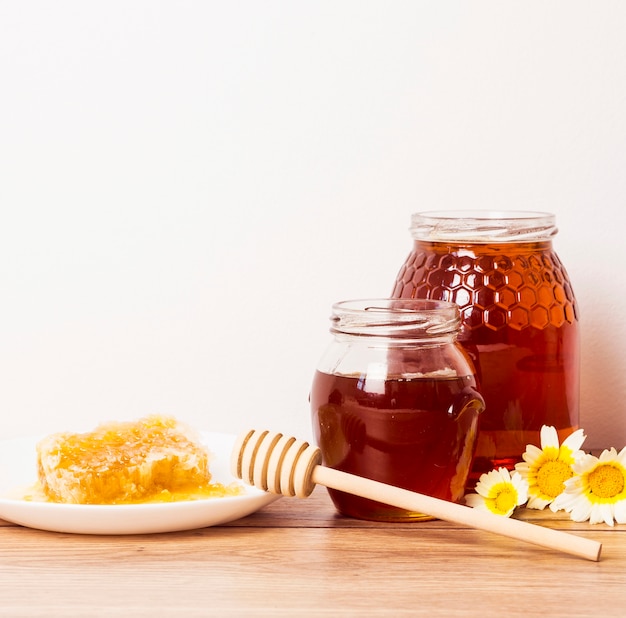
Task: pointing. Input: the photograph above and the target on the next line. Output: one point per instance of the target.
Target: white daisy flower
(597, 492)
(547, 468)
(499, 492)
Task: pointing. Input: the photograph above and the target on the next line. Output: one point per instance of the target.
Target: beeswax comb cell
(122, 462)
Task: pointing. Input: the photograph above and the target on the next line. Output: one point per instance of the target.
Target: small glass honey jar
(394, 399)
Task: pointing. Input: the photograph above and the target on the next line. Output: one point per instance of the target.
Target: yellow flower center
(552, 476)
(505, 499)
(606, 481)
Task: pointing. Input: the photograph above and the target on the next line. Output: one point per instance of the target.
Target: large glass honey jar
(394, 399)
(519, 320)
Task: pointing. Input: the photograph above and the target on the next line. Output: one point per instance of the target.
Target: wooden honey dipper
(283, 465)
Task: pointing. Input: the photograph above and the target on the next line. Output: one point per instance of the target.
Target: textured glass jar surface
(400, 411)
(519, 325)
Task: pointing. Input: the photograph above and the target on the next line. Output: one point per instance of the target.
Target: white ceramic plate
(18, 471)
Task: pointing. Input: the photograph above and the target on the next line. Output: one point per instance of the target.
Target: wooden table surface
(299, 558)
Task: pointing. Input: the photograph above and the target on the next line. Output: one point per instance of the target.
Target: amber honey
(155, 459)
(414, 433)
(520, 327)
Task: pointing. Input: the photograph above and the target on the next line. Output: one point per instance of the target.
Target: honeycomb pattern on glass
(493, 291)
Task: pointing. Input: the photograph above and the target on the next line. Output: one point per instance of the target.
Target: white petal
(581, 511)
(599, 515)
(556, 506)
(575, 440)
(561, 502)
(535, 502)
(522, 468)
(549, 437)
(504, 474)
(490, 479)
(564, 501)
(574, 485)
(485, 483)
(619, 511)
(532, 454)
(521, 487)
(474, 500)
(584, 464)
(608, 454)
(606, 511)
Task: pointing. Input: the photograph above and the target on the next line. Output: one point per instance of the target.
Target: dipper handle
(283, 465)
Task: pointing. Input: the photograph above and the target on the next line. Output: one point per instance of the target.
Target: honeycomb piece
(123, 462)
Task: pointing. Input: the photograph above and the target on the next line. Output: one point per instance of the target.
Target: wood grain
(299, 558)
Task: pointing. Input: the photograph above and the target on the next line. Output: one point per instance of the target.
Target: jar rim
(396, 318)
(483, 226)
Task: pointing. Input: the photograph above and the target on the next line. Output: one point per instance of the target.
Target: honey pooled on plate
(154, 459)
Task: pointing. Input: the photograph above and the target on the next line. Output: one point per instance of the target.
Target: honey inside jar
(414, 433)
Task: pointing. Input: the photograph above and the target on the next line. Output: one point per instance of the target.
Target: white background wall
(186, 187)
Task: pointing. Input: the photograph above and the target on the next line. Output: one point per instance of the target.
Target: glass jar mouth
(483, 226)
(407, 318)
